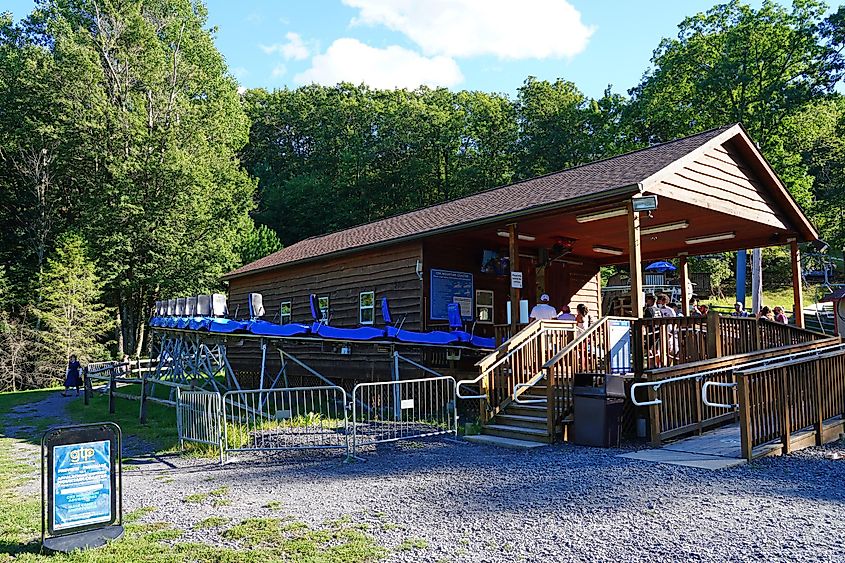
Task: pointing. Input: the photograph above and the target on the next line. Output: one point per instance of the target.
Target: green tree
(143, 144)
(257, 242)
(737, 64)
(73, 319)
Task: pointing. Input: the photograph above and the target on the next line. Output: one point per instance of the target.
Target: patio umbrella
(661, 266)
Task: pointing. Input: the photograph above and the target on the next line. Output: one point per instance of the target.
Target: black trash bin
(598, 410)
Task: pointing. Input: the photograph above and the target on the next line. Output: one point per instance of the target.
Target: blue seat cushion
(199, 323)
(337, 333)
(484, 342)
(265, 328)
(435, 337)
(226, 326)
(182, 322)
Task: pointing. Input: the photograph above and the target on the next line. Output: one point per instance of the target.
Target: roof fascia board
(781, 194)
(606, 196)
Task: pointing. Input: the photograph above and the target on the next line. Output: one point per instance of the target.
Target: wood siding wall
(389, 272)
(720, 180)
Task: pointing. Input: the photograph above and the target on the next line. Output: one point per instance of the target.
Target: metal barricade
(199, 418)
(401, 410)
(285, 419)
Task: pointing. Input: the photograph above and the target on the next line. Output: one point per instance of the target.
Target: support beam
(741, 267)
(513, 248)
(683, 270)
(636, 260)
(797, 290)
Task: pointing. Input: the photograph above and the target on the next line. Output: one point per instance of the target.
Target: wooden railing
(669, 341)
(517, 361)
(681, 410)
(776, 402)
(589, 352)
(666, 342)
(502, 333)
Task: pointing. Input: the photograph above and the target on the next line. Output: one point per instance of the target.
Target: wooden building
(715, 193)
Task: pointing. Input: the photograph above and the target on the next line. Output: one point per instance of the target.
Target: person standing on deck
(72, 375)
(542, 311)
(566, 314)
(780, 316)
(739, 310)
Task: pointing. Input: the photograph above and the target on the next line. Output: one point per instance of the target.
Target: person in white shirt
(542, 311)
(664, 308)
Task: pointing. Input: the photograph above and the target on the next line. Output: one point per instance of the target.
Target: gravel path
(563, 503)
(465, 502)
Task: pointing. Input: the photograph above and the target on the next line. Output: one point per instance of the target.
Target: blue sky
(489, 45)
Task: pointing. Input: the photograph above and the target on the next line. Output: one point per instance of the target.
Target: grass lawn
(261, 540)
(771, 298)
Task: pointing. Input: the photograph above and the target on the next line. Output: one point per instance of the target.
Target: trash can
(598, 410)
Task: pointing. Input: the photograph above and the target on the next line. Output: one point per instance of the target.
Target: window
(323, 304)
(367, 307)
(484, 306)
(284, 312)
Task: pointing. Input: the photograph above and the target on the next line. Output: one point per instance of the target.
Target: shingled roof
(587, 181)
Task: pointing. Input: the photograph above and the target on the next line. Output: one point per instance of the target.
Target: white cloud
(278, 70)
(294, 49)
(241, 90)
(528, 29)
(349, 60)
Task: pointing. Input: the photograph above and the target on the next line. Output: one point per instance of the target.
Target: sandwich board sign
(81, 486)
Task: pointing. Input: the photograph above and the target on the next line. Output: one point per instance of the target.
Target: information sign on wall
(516, 280)
(450, 287)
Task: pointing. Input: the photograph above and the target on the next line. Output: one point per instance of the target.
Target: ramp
(718, 449)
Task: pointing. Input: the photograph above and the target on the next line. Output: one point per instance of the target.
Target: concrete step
(520, 420)
(509, 443)
(515, 432)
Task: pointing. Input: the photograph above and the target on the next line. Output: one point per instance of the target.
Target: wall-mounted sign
(450, 287)
(81, 480)
(516, 280)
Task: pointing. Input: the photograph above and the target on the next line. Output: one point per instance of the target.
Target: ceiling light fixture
(608, 250)
(520, 236)
(711, 238)
(587, 217)
(664, 227)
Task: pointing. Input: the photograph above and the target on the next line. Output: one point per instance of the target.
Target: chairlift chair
(321, 328)
(219, 323)
(202, 319)
(266, 328)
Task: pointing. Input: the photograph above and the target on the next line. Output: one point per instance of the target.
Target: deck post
(513, 249)
(654, 418)
(786, 421)
(714, 336)
(636, 259)
(683, 270)
(819, 422)
(744, 416)
(797, 293)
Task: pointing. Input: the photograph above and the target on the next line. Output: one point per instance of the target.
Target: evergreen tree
(72, 318)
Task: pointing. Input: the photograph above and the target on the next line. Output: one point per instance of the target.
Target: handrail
(729, 385)
(523, 337)
(583, 336)
(656, 385)
(796, 361)
(520, 339)
(557, 357)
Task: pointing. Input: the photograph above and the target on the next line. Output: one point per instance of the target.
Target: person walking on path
(72, 378)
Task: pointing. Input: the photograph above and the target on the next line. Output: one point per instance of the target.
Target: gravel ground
(477, 503)
(563, 503)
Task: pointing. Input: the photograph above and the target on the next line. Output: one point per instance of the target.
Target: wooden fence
(666, 342)
(801, 403)
(681, 410)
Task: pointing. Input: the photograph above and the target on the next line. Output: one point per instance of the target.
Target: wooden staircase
(521, 370)
(517, 425)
